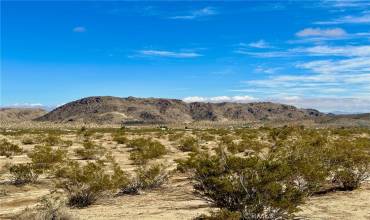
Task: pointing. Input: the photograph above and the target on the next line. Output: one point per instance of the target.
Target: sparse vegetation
(145, 149)
(45, 157)
(23, 173)
(8, 149)
(189, 144)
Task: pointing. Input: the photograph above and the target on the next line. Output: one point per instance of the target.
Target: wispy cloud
(79, 29)
(362, 19)
(171, 54)
(319, 32)
(260, 44)
(204, 12)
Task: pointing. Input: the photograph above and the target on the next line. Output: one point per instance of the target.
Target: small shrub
(84, 184)
(8, 149)
(48, 209)
(45, 157)
(22, 174)
(349, 163)
(152, 176)
(90, 151)
(120, 139)
(253, 187)
(52, 140)
(147, 177)
(28, 141)
(189, 144)
(145, 149)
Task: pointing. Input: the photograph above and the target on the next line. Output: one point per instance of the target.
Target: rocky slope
(20, 114)
(115, 110)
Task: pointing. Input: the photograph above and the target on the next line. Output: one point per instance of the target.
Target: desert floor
(174, 200)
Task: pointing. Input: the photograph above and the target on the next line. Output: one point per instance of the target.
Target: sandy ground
(174, 200)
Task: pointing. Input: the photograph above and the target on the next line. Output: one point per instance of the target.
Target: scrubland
(163, 173)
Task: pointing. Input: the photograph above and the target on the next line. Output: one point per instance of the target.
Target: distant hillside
(20, 114)
(115, 110)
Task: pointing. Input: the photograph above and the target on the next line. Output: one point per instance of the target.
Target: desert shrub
(120, 139)
(90, 150)
(145, 149)
(349, 163)
(222, 214)
(308, 159)
(48, 209)
(153, 176)
(175, 136)
(22, 174)
(206, 136)
(146, 177)
(45, 157)
(28, 140)
(8, 149)
(84, 184)
(253, 187)
(52, 140)
(188, 144)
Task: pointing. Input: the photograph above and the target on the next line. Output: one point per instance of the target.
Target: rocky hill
(131, 110)
(20, 114)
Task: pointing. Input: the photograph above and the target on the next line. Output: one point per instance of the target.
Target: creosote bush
(189, 144)
(146, 177)
(85, 183)
(255, 188)
(145, 149)
(9, 149)
(45, 157)
(23, 173)
(90, 150)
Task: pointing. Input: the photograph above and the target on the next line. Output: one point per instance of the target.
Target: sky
(311, 54)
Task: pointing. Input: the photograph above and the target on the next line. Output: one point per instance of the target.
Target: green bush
(45, 157)
(52, 140)
(253, 187)
(145, 149)
(28, 140)
(23, 173)
(85, 184)
(189, 144)
(120, 139)
(90, 151)
(350, 164)
(8, 149)
(147, 177)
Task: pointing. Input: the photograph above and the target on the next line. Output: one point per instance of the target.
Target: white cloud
(218, 99)
(348, 51)
(363, 19)
(207, 11)
(356, 66)
(194, 99)
(79, 29)
(318, 32)
(164, 53)
(259, 44)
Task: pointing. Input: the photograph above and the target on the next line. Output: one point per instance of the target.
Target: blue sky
(312, 54)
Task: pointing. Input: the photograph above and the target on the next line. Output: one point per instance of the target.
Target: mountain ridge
(116, 110)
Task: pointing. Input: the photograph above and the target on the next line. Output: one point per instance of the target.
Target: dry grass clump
(9, 149)
(145, 149)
